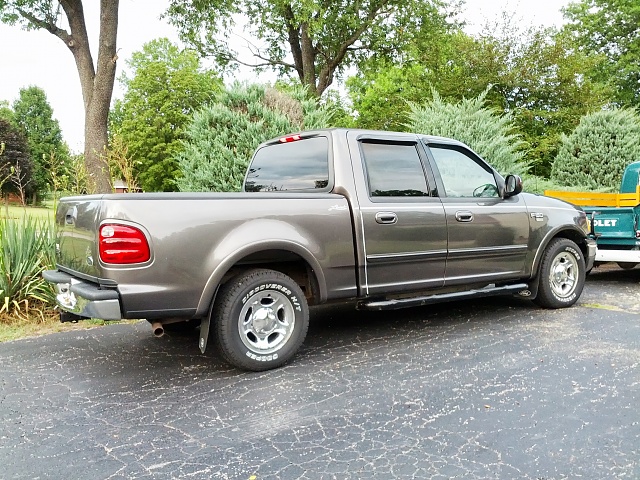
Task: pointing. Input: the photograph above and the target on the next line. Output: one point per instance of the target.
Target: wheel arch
(289, 258)
(576, 235)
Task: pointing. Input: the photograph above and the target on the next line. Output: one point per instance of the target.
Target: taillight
(122, 244)
(290, 138)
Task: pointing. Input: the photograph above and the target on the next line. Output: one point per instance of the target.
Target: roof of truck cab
(366, 132)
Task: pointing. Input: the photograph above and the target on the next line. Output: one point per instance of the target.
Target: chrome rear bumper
(84, 298)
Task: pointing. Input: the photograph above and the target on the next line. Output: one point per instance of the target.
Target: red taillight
(122, 244)
(290, 138)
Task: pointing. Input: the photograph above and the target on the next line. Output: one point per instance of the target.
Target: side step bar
(520, 288)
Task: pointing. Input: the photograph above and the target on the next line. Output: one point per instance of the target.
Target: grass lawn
(18, 211)
(35, 326)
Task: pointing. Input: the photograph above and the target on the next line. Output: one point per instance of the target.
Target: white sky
(38, 58)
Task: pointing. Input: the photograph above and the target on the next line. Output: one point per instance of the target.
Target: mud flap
(204, 333)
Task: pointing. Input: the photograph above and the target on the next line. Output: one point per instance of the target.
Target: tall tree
(535, 75)
(15, 156)
(6, 112)
(610, 28)
(315, 40)
(34, 115)
(96, 80)
(163, 89)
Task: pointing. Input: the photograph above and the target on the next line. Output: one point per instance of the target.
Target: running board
(520, 288)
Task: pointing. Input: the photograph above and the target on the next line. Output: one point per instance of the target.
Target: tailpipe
(158, 329)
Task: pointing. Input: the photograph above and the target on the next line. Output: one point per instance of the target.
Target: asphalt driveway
(493, 389)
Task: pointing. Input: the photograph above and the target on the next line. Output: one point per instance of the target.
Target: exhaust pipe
(158, 329)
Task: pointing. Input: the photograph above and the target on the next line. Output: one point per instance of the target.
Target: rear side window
(297, 165)
(394, 170)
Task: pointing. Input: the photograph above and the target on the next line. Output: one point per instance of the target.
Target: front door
(487, 235)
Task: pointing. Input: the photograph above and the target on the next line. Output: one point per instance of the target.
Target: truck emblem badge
(605, 222)
(338, 208)
(538, 216)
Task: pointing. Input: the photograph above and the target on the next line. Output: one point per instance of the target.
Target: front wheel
(260, 319)
(562, 274)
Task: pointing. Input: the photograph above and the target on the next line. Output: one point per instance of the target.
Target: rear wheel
(562, 274)
(260, 320)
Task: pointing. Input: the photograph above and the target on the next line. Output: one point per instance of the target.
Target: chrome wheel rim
(564, 274)
(266, 322)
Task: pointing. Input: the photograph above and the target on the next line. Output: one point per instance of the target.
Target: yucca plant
(27, 247)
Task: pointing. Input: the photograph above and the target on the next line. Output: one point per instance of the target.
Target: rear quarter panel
(196, 238)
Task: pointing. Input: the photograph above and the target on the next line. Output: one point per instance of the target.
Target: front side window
(298, 165)
(393, 169)
(462, 175)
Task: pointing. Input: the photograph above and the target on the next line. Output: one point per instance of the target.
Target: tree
(315, 40)
(610, 28)
(96, 81)
(536, 75)
(598, 150)
(34, 115)
(15, 157)
(488, 133)
(222, 137)
(6, 112)
(165, 86)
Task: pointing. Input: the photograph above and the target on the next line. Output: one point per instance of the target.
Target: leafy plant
(222, 137)
(27, 247)
(489, 134)
(597, 152)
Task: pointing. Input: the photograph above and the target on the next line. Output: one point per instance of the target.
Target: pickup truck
(383, 219)
(615, 218)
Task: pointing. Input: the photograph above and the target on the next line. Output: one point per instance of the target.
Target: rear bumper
(628, 256)
(83, 298)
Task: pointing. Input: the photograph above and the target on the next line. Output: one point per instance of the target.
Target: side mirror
(513, 186)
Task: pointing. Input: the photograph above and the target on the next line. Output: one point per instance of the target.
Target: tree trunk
(97, 84)
(97, 108)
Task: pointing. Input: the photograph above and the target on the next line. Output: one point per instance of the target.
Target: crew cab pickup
(615, 218)
(384, 219)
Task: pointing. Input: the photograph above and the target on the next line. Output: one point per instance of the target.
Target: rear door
(403, 223)
(487, 235)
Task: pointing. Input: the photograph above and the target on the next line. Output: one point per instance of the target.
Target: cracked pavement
(490, 389)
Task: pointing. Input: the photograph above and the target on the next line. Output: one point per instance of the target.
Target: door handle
(386, 218)
(464, 216)
(71, 216)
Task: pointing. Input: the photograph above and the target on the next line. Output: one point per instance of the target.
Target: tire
(627, 265)
(260, 319)
(561, 275)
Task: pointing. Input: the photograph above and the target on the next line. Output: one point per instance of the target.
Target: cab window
(298, 165)
(393, 169)
(462, 175)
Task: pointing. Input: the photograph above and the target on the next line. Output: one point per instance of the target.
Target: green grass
(18, 211)
(36, 326)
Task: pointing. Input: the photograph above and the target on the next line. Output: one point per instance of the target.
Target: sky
(38, 58)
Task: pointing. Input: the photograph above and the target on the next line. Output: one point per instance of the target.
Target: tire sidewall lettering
(573, 252)
(261, 358)
(275, 287)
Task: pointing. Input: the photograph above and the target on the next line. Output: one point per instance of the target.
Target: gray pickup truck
(385, 219)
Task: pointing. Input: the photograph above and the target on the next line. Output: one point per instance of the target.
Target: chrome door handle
(71, 216)
(387, 218)
(464, 216)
